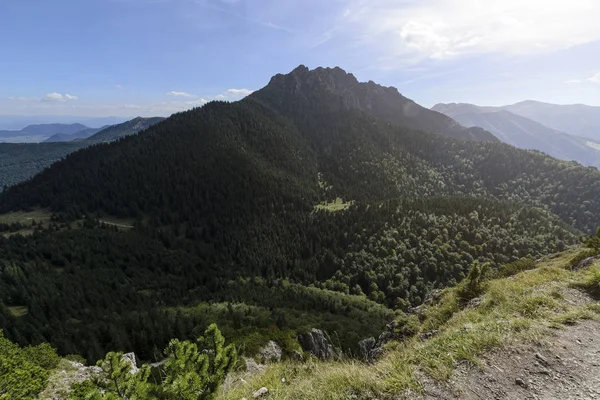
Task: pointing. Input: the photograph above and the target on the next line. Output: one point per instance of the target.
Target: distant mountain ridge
(40, 132)
(18, 122)
(125, 129)
(575, 119)
(83, 134)
(524, 133)
(20, 161)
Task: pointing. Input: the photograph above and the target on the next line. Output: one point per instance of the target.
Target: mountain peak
(334, 86)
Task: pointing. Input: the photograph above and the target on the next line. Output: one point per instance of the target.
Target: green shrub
(474, 284)
(23, 372)
(591, 281)
(513, 268)
(195, 371)
(43, 355)
(75, 358)
(582, 255)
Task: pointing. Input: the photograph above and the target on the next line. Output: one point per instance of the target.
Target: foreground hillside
(527, 329)
(518, 336)
(309, 204)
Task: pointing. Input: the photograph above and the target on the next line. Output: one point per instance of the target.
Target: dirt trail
(565, 367)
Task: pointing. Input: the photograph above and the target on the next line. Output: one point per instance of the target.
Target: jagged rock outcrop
(585, 263)
(130, 358)
(381, 101)
(315, 343)
(372, 348)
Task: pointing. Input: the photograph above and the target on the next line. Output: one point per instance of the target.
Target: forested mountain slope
(231, 201)
(283, 136)
(524, 133)
(124, 129)
(69, 137)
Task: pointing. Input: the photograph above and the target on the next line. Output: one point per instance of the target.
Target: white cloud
(197, 103)
(180, 94)
(56, 103)
(592, 79)
(58, 97)
(50, 97)
(595, 78)
(25, 99)
(233, 94)
(239, 92)
(414, 30)
(117, 86)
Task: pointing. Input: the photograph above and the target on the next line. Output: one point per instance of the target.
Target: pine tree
(196, 370)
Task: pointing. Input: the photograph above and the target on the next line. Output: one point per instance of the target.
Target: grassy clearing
(18, 311)
(523, 307)
(337, 205)
(25, 217)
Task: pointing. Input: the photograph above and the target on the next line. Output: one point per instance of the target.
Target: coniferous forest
(302, 206)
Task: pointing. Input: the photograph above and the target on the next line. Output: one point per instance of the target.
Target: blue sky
(155, 57)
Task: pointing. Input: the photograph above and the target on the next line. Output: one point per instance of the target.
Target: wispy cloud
(591, 79)
(50, 97)
(408, 32)
(239, 92)
(58, 97)
(233, 94)
(24, 99)
(228, 7)
(180, 94)
(595, 78)
(163, 108)
(64, 103)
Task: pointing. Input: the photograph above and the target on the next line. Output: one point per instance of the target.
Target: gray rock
(315, 343)
(130, 358)
(252, 367)
(543, 360)
(427, 335)
(270, 353)
(433, 297)
(263, 391)
(297, 356)
(521, 383)
(586, 263)
(474, 303)
(366, 347)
